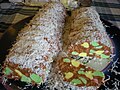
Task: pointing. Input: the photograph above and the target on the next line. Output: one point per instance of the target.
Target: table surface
(108, 10)
(11, 13)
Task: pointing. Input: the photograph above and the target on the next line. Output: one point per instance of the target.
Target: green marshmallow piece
(25, 79)
(81, 72)
(75, 53)
(82, 69)
(94, 44)
(98, 47)
(98, 73)
(76, 81)
(36, 78)
(83, 80)
(92, 51)
(104, 56)
(7, 71)
(66, 60)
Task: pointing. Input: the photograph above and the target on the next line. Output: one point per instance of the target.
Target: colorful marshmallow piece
(75, 53)
(36, 78)
(67, 60)
(18, 72)
(75, 63)
(25, 79)
(85, 45)
(7, 71)
(99, 52)
(82, 69)
(94, 44)
(83, 80)
(98, 73)
(89, 74)
(81, 72)
(83, 54)
(92, 51)
(98, 47)
(104, 56)
(68, 75)
(76, 82)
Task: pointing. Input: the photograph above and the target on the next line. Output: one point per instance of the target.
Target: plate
(111, 71)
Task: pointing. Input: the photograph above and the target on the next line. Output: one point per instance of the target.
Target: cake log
(30, 57)
(86, 47)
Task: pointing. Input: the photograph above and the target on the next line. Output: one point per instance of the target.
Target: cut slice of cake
(78, 74)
